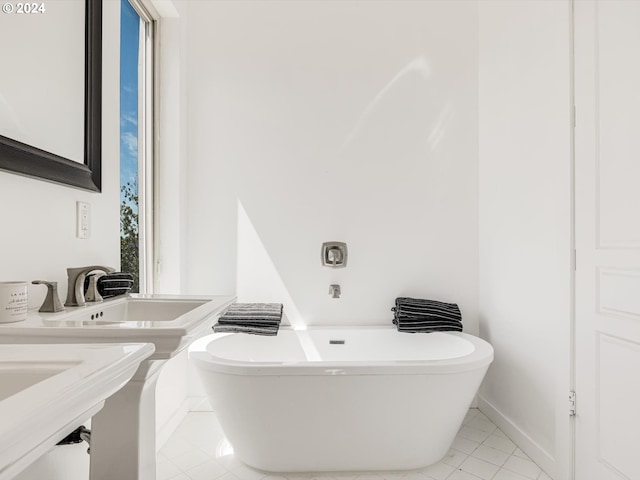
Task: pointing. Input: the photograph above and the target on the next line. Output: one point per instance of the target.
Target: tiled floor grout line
(481, 451)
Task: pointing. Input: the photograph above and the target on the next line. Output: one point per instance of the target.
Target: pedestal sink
(46, 391)
(123, 443)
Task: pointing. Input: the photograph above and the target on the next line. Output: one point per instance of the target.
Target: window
(136, 143)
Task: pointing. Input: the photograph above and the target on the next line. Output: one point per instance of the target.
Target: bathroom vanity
(123, 433)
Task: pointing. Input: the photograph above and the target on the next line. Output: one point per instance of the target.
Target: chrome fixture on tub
(334, 254)
(75, 288)
(334, 291)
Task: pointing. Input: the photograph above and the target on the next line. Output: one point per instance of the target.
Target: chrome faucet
(334, 291)
(75, 287)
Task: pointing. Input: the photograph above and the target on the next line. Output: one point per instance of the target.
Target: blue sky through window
(129, 43)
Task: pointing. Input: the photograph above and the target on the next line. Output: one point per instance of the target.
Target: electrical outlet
(83, 220)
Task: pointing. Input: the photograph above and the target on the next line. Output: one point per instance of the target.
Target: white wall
(525, 222)
(318, 121)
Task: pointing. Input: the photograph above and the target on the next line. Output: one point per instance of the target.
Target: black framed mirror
(28, 160)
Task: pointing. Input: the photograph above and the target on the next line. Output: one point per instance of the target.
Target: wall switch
(83, 220)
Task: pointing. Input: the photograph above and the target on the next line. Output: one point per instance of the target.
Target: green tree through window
(129, 235)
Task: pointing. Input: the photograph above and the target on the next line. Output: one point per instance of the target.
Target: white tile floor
(198, 450)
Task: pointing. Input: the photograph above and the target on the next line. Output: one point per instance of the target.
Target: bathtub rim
(480, 358)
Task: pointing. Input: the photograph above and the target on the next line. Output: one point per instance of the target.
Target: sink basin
(123, 432)
(46, 391)
(170, 322)
(17, 376)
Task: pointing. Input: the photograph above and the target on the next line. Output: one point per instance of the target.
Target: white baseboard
(163, 432)
(539, 455)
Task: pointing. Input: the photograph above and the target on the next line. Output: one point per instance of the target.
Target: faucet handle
(51, 302)
(91, 282)
(334, 256)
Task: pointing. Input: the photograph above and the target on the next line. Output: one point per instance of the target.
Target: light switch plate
(83, 220)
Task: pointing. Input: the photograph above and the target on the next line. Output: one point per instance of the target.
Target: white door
(607, 154)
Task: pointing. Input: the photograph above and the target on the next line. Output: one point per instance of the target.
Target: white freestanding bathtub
(341, 399)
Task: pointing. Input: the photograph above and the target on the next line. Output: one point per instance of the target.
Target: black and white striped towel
(421, 315)
(256, 318)
(112, 284)
(253, 329)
